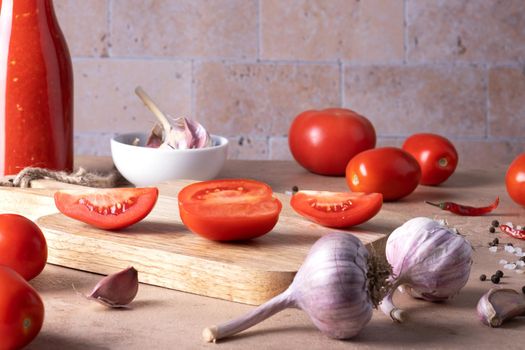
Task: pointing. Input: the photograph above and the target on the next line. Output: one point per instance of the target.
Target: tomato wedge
(229, 210)
(337, 209)
(109, 209)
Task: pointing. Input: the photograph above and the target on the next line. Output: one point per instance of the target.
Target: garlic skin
(332, 287)
(429, 261)
(116, 290)
(499, 305)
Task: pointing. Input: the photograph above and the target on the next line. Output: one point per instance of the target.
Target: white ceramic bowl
(145, 166)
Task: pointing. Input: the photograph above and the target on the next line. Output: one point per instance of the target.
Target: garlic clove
(499, 305)
(116, 290)
(155, 138)
(196, 134)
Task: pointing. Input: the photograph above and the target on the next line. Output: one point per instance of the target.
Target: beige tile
(365, 31)
(459, 30)
(404, 100)
(196, 28)
(261, 99)
(507, 102)
(93, 143)
(85, 26)
(487, 153)
(105, 99)
(279, 149)
(243, 147)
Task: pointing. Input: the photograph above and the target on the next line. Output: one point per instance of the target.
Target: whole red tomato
(515, 180)
(324, 141)
(436, 156)
(388, 170)
(21, 310)
(22, 245)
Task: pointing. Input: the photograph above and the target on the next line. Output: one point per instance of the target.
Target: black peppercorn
(492, 229)
(499, 273)
(523, 289)
(491, 244)
(510, 244)
(495, 241)
(495, 223)
(482, 277)
(495, 279)
(522, 258)
(295, 189)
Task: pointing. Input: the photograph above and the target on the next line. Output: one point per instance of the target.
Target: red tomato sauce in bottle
(36, 89)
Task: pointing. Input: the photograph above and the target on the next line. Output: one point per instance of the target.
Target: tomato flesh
(109, 209)
(515, 180)
(390, 171)
(21, 310)
(337, 209)
(436, 156)
(23, 246)
(229, 210)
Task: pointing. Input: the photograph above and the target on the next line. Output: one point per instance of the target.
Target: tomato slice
(337, 209)
(229, 210)
(109, 209)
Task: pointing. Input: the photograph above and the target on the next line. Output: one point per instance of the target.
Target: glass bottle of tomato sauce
(36, 89)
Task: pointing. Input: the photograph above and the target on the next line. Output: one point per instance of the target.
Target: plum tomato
(23, 246)
(323, 141)
(229, 210)
(109, 209)
(388, 170)
(21, 310)
(515, 180)
(436, 156)
(337, 209)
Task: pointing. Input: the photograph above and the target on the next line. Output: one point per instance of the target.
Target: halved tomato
(229, 210)
(109, 209)
(337, 209)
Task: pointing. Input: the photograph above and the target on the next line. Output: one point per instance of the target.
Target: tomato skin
(21, 310)
(388, 170)
(227, 214)
(436, 156)
(84, 206)
(23, 246)
(323, 141)
(362, 207)
(515, 180)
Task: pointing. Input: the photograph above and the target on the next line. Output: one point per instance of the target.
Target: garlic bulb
(499, 305)
(429, 260)
(337, 286)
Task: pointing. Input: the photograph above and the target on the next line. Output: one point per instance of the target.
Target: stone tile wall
(245, 68)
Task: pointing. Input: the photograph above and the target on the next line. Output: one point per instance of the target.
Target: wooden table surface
(167, 319)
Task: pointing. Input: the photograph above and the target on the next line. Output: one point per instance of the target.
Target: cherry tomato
(436, 156)
(388, 170)
(21, 310)
(337, 209)
(22, 246)
(229, 210)
(515, 180)
(324, 141)
(109, 209)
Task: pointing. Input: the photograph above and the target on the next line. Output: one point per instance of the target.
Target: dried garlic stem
(154, 109)
(262, 312)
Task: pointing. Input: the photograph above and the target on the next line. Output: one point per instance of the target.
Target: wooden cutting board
(166, 254)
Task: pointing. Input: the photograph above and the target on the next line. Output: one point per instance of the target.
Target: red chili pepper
(465, 210)
(512, 231)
